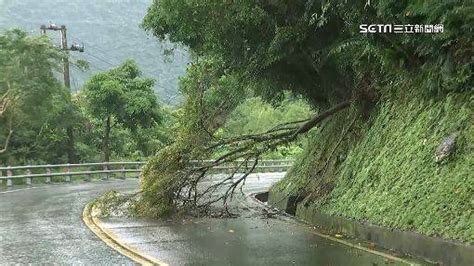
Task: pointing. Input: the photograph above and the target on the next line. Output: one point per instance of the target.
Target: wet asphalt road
(44, 225)
(251, 239)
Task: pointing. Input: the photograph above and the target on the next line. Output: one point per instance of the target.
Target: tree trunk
(320, 117)
(71, 152)
(106, 140)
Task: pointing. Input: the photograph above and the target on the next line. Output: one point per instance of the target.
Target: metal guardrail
(108, 169)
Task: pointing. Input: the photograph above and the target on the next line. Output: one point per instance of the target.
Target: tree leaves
(124, 95)
(120, 97)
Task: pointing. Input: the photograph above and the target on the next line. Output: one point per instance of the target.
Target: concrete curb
(287, 217)
(114, 242)
(434, 250)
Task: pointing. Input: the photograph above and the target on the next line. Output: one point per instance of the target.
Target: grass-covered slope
(389, 175)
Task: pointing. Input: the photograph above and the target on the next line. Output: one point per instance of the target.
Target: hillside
(385, 173)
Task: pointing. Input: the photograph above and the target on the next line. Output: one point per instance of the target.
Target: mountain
(110, 31)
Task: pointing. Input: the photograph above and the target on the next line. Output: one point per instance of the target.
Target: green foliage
(30, 95)
(386, 173)
(256, 116)
(323, 152)
(26, 75)
(123, 94)
(41, 110)
(271, 44)
(120, 97)
(210, 96)
(82, 65)
(159, 178)
(440, 62)
(314, 49)
(395, 162)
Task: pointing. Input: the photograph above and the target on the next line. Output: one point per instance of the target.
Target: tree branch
(249, 148)
(7, 140)
(319, 118)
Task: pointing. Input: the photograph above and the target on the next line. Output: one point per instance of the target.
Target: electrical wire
(169, 99)
(117, 61)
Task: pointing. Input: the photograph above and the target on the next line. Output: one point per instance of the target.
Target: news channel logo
(401, 28)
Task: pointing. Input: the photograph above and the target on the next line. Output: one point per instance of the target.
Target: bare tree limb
(241, 154)
(319, 118)
(7, 140)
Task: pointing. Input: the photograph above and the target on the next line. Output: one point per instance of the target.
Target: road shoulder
(94, 224)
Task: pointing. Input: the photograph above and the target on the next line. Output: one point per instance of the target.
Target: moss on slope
(390, 176)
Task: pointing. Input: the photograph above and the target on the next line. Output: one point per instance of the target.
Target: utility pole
(67, 80)
(64, 47)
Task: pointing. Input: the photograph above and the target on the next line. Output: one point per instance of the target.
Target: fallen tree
(176, 182)
(308, 48)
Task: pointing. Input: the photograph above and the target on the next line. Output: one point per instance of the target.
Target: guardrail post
(48, 177)
(106, 175)
(68, 170)
(88, 177)
(28, 179)
(138, 168)
(9, 180)
(124, 174)
(282, 167)
(1, 180)
(258, 167)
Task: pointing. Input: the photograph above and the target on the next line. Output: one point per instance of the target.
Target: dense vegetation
(385, 172)
(29, 89)
(38, 110)
(254, 116)
(265, 74)
(116, 116)
(121, 98)
(359, 83)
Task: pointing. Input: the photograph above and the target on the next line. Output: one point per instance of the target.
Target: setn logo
(401, 28)
(375, 28)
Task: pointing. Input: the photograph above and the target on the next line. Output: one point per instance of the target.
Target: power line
(114, 65)
(117, 61)
(90, 64)
(100, 59)
(183, 54)
(167, 99)
(106, 61)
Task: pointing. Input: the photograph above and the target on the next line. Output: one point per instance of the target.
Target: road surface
(44, 225)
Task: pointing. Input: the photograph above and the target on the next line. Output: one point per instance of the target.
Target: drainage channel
(290, 209)
(352, 241)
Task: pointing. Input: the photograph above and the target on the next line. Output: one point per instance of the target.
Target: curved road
(43, 225)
